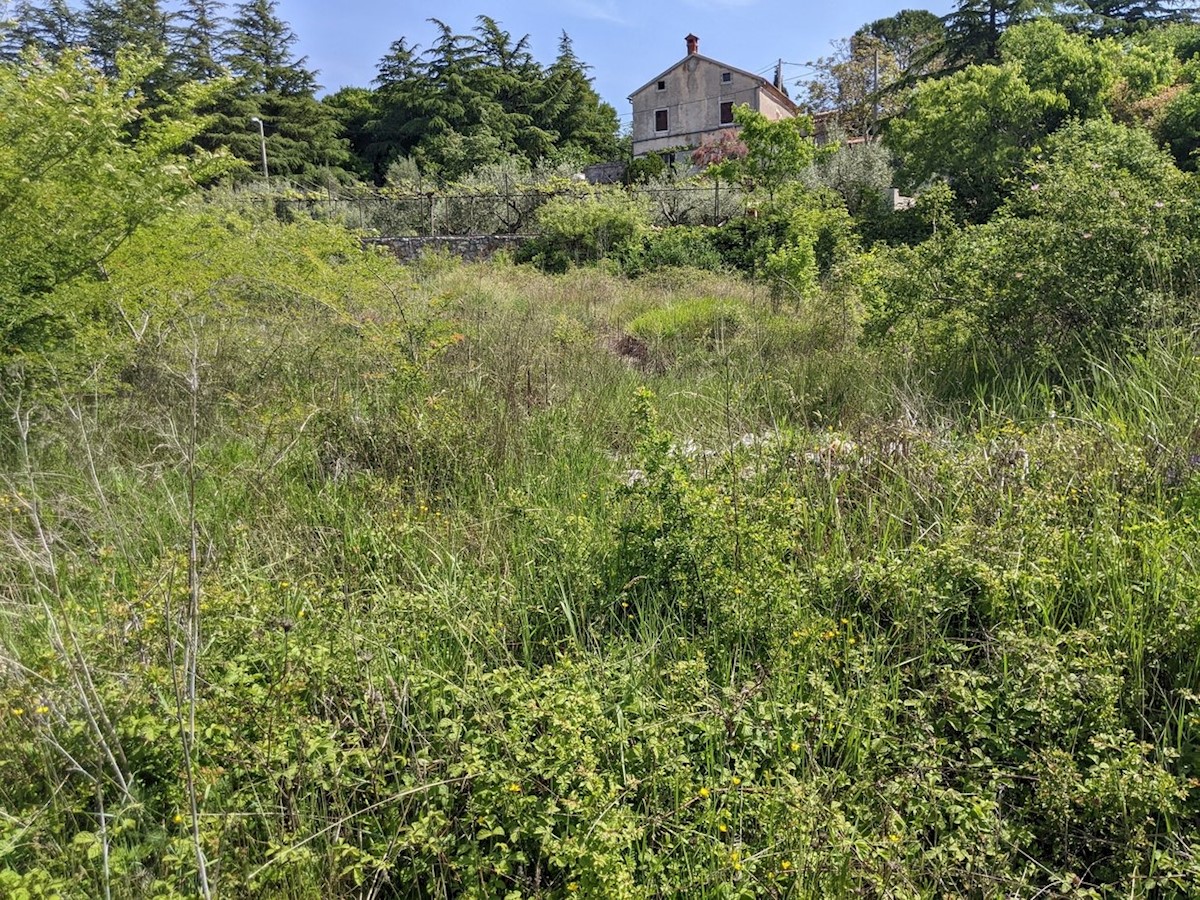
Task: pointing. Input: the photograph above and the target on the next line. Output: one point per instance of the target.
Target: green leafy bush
(1093, 251)
(74, 185)
(579, 230)
(679, 246)
(1180, 128)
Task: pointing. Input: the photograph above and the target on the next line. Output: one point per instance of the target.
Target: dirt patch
(635, 353)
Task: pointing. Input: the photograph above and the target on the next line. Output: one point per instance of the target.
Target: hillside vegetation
(467, 580)
(828, 551)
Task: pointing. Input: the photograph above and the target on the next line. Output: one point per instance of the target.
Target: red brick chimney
(693, 44)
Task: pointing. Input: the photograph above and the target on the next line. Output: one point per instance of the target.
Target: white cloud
(597, 10)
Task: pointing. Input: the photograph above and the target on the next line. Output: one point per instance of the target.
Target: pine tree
(506, 73)
(273, 85)
(571, 109)
(909, 36)
(397, 103)
(261, 51)
(197, 41)
(51, 29)
(131, 25)
(1127, 16)
(973, 30)
(480, 98)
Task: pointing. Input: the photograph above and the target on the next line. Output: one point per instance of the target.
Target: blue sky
(626, 43)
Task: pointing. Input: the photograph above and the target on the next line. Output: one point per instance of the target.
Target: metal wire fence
(513, 212)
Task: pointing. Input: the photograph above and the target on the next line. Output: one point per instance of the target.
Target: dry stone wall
(469, 247)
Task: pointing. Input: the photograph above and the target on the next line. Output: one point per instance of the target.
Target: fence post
(716, 201)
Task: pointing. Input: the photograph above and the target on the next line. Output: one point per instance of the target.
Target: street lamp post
(262, 143)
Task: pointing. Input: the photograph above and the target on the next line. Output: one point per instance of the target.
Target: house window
(726, 77)
(662, 85)
(727, 112)
(661, 122)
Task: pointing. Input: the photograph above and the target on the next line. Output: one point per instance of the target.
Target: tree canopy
(474, 99)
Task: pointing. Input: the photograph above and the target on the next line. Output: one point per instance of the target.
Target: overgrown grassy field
(338, 578)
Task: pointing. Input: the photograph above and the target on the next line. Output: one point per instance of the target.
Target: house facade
(695, 98)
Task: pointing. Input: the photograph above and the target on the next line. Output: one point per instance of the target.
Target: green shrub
(1180, 128)
(580, 230)
(679, 246)
(1092, 252)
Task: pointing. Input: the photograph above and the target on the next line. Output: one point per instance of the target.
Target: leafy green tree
(908, 36)
(976, 128)
(852, 82)
(1051, 59)
(858, 173)
(73, 186)
(776, 151)
(1096, 247)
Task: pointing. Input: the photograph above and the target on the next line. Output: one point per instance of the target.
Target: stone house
(695, 98)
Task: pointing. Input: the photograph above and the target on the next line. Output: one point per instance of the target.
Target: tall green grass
(494, 601)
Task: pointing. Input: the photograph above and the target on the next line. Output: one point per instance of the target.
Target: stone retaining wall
(469, 247)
